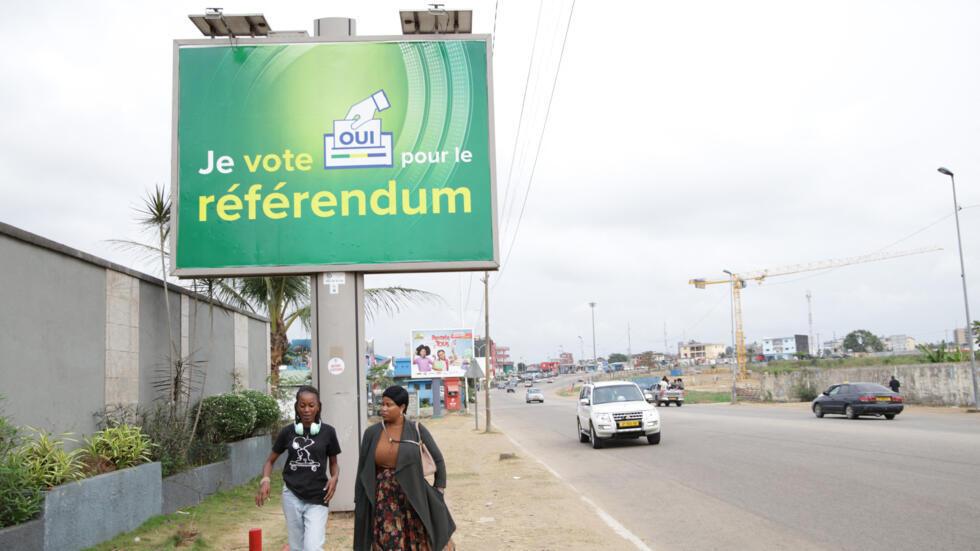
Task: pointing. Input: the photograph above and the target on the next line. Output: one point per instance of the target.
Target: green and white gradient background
(263, 99)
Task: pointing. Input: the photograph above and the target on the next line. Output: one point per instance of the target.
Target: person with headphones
(312, 449)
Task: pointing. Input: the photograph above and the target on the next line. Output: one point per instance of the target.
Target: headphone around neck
(301, 431)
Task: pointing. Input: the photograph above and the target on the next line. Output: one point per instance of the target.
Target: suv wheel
(582, 437)
(595, 440)
(653, 438)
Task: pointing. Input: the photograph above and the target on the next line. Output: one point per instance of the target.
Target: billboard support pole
(338, 342)
(486, 345)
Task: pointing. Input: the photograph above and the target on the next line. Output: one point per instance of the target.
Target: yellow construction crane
(738, 282)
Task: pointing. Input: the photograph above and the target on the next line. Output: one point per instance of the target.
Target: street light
(581, 344)
(966, 301)
(734, 344)
(595, 360)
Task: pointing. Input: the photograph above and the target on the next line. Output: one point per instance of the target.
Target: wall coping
(45, 243)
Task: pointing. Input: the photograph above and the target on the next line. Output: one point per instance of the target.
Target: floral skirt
(396, 525)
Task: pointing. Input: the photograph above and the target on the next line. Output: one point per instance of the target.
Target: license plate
(628, 424)
(884, 399)
(672, 398)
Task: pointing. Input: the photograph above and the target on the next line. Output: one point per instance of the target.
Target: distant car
(534, 395)
(856, 399)
(528, 384)
(511, 389)
(615, 409)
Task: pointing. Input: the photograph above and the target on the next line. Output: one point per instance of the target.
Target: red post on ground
(255, 539)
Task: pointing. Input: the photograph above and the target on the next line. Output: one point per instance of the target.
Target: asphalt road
(770, 477)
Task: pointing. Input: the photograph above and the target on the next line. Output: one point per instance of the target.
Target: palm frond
(390, 300)
(154, 213)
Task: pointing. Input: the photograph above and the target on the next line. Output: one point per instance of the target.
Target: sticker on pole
(335, 366)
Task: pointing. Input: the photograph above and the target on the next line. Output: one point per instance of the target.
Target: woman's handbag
(428, 464)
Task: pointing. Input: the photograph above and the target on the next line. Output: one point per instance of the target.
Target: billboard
(441, 353)
(368, 154)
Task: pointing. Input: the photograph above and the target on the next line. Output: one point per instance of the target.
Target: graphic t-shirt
(307, 465)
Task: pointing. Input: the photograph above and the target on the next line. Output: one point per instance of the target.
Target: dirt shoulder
(499, 498)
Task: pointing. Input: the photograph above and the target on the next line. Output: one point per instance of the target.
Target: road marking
(616, 526)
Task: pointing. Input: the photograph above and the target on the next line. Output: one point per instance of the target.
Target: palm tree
(286, 299)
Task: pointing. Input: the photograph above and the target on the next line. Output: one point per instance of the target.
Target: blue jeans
(306, 522)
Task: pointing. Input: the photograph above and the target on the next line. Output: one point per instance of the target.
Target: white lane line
(616, 526)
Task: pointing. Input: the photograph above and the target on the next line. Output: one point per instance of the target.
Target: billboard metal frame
(377, 268)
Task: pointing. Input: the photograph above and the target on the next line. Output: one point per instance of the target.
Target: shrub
(266, 411)
(46, 461)
(118, 447)
(805, 391)
(20, 498)
(226, 418)
(8, 435)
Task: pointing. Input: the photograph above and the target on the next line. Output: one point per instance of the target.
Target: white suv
(615, 409)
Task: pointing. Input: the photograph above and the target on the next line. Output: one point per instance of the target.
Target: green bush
(226, 418)
(267, 412)
(805, 391)
(46, 461)
(116, 448)
(8, 435)
(20, 498)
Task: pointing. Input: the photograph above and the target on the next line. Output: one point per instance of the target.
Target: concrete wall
(52, 337)
(78, 333)
(72, 522)
(930, 384)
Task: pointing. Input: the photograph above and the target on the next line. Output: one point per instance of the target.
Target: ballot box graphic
(357, 141)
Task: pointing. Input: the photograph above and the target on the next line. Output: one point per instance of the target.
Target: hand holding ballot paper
(357, 141)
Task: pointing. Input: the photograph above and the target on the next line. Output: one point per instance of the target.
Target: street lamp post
(595, 360)
(734, 344)
(966, 301)
(581, 345)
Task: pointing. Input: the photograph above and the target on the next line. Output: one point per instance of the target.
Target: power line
(520, 118)
(537, 154)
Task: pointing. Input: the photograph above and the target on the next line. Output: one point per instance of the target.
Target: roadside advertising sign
(549, 366)
(364, 155)
(444, 353)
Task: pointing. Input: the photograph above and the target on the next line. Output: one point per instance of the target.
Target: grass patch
(706, 397)
(785, 366)
(201, 526)
(570, 392)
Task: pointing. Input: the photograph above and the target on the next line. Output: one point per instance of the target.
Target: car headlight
(604, 418)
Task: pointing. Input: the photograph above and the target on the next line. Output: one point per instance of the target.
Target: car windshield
(870, 387)
(618, 393)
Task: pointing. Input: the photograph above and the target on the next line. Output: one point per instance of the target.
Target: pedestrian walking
(395, 506)
(312, 449)
(894, 384)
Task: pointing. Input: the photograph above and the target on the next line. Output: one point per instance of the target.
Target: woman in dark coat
(395, 508)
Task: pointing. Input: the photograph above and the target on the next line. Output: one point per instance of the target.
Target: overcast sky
(684, 138)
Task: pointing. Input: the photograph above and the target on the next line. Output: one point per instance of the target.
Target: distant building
(960, 336)
(699, 353)
(899, 343)
(835, 346)
(785, 348)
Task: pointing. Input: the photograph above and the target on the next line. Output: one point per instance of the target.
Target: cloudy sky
(683, 138)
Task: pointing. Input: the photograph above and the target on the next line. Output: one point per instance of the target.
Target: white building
(699, 353)
(899, 343)
(785, 348)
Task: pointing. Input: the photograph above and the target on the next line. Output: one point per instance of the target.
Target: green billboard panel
(374, 154)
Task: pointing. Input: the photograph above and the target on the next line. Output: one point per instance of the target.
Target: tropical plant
(20, 498)
(8, 434)
(940, 354)
(615, 357)
(267, 412)
(116, 448)
(46, 461)
(226, 418)
(378, 376)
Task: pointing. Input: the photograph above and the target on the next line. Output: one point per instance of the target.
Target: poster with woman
(441, 352)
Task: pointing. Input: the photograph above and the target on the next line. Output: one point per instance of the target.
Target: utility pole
(629, 347)
(486, 344)
(595, 360)
(809, 316)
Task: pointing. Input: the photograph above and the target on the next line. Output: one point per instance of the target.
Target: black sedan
(855, 399)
